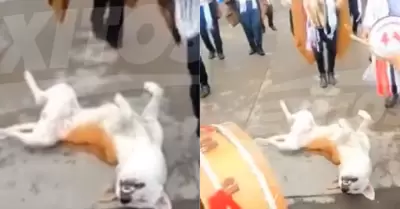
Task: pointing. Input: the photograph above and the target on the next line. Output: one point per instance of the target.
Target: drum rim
(379, 21)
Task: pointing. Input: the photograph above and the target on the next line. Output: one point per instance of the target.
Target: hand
(364, 34)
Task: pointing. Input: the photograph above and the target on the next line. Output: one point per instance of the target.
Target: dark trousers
(291, 21)
(353, 8)
(114, 24)
(393, 80)
(198, 75)
(214, 32)
(331, 53)
(251, 22)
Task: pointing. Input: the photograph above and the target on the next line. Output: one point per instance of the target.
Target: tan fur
(93, 139)
(325, 148)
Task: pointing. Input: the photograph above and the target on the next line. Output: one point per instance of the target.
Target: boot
(390, 102)
(323, 82)
(331, 79)
(260, 51)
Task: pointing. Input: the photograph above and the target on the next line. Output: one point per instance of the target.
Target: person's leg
(115, 22)
(215, 31)
(355, 13)
(257, 31)
(392, 100)
(270, 16)
(205, 36)
(331, 53)
(205, 89)
(291, 21)
(319, 58)
(97, 17)
(245, 22)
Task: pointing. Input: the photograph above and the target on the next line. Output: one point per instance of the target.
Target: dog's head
(140, 183)
(357, 185)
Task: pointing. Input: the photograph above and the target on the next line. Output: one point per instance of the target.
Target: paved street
(246, 90)
(60, 178)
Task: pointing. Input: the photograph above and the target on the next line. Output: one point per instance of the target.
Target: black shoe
(252, 51)
(260, 51)
(221, 56)
(211, 55)
(273, 27)
(331, 79)
(204, 91)
(323, 82)
(391, 101)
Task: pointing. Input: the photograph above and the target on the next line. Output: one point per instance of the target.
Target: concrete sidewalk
(246, 90)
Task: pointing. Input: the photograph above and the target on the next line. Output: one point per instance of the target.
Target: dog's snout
(345, 190)
(125, 200)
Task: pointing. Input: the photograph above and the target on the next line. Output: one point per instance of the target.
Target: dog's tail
(38, 94)
(288, 115)
(367, 120)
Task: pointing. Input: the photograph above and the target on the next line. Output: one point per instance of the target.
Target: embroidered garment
(313, 36)
(243, 6)
(187, 17)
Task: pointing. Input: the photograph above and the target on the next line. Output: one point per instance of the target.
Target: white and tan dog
(355, 168)
(121, 135)
(338, 142)
(303, 131)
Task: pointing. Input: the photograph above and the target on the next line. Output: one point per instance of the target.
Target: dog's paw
(364, 114)
(153, 88)
(262, 141)
(118, 98)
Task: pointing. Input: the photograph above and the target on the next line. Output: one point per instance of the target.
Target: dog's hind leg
(367, 120)
(38, 94)
(280, 142)
(23, 127)
(288, 115)
(29, 139)
(152, 109)
(124, 106)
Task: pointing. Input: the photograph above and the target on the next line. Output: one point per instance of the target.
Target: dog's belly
(325, 147)
(93, 139)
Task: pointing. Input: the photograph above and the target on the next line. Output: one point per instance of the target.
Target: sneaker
(211, 55)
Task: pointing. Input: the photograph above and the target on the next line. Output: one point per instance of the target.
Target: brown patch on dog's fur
(326, 148)
(93, 139)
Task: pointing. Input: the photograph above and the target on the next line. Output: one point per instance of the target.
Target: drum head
(384, 37)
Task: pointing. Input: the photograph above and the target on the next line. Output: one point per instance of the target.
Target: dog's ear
(164, 202)
(369, 192)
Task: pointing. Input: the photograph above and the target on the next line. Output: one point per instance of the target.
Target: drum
(234, 173)
(299, 19)
(384, 39)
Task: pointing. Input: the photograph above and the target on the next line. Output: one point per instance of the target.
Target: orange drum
(234, 173)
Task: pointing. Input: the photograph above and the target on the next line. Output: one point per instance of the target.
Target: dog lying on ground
(306, 134)
(118, 134)
(338, 142)
(355, 168)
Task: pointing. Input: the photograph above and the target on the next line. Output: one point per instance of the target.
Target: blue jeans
(214, 32)
(251, 22)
